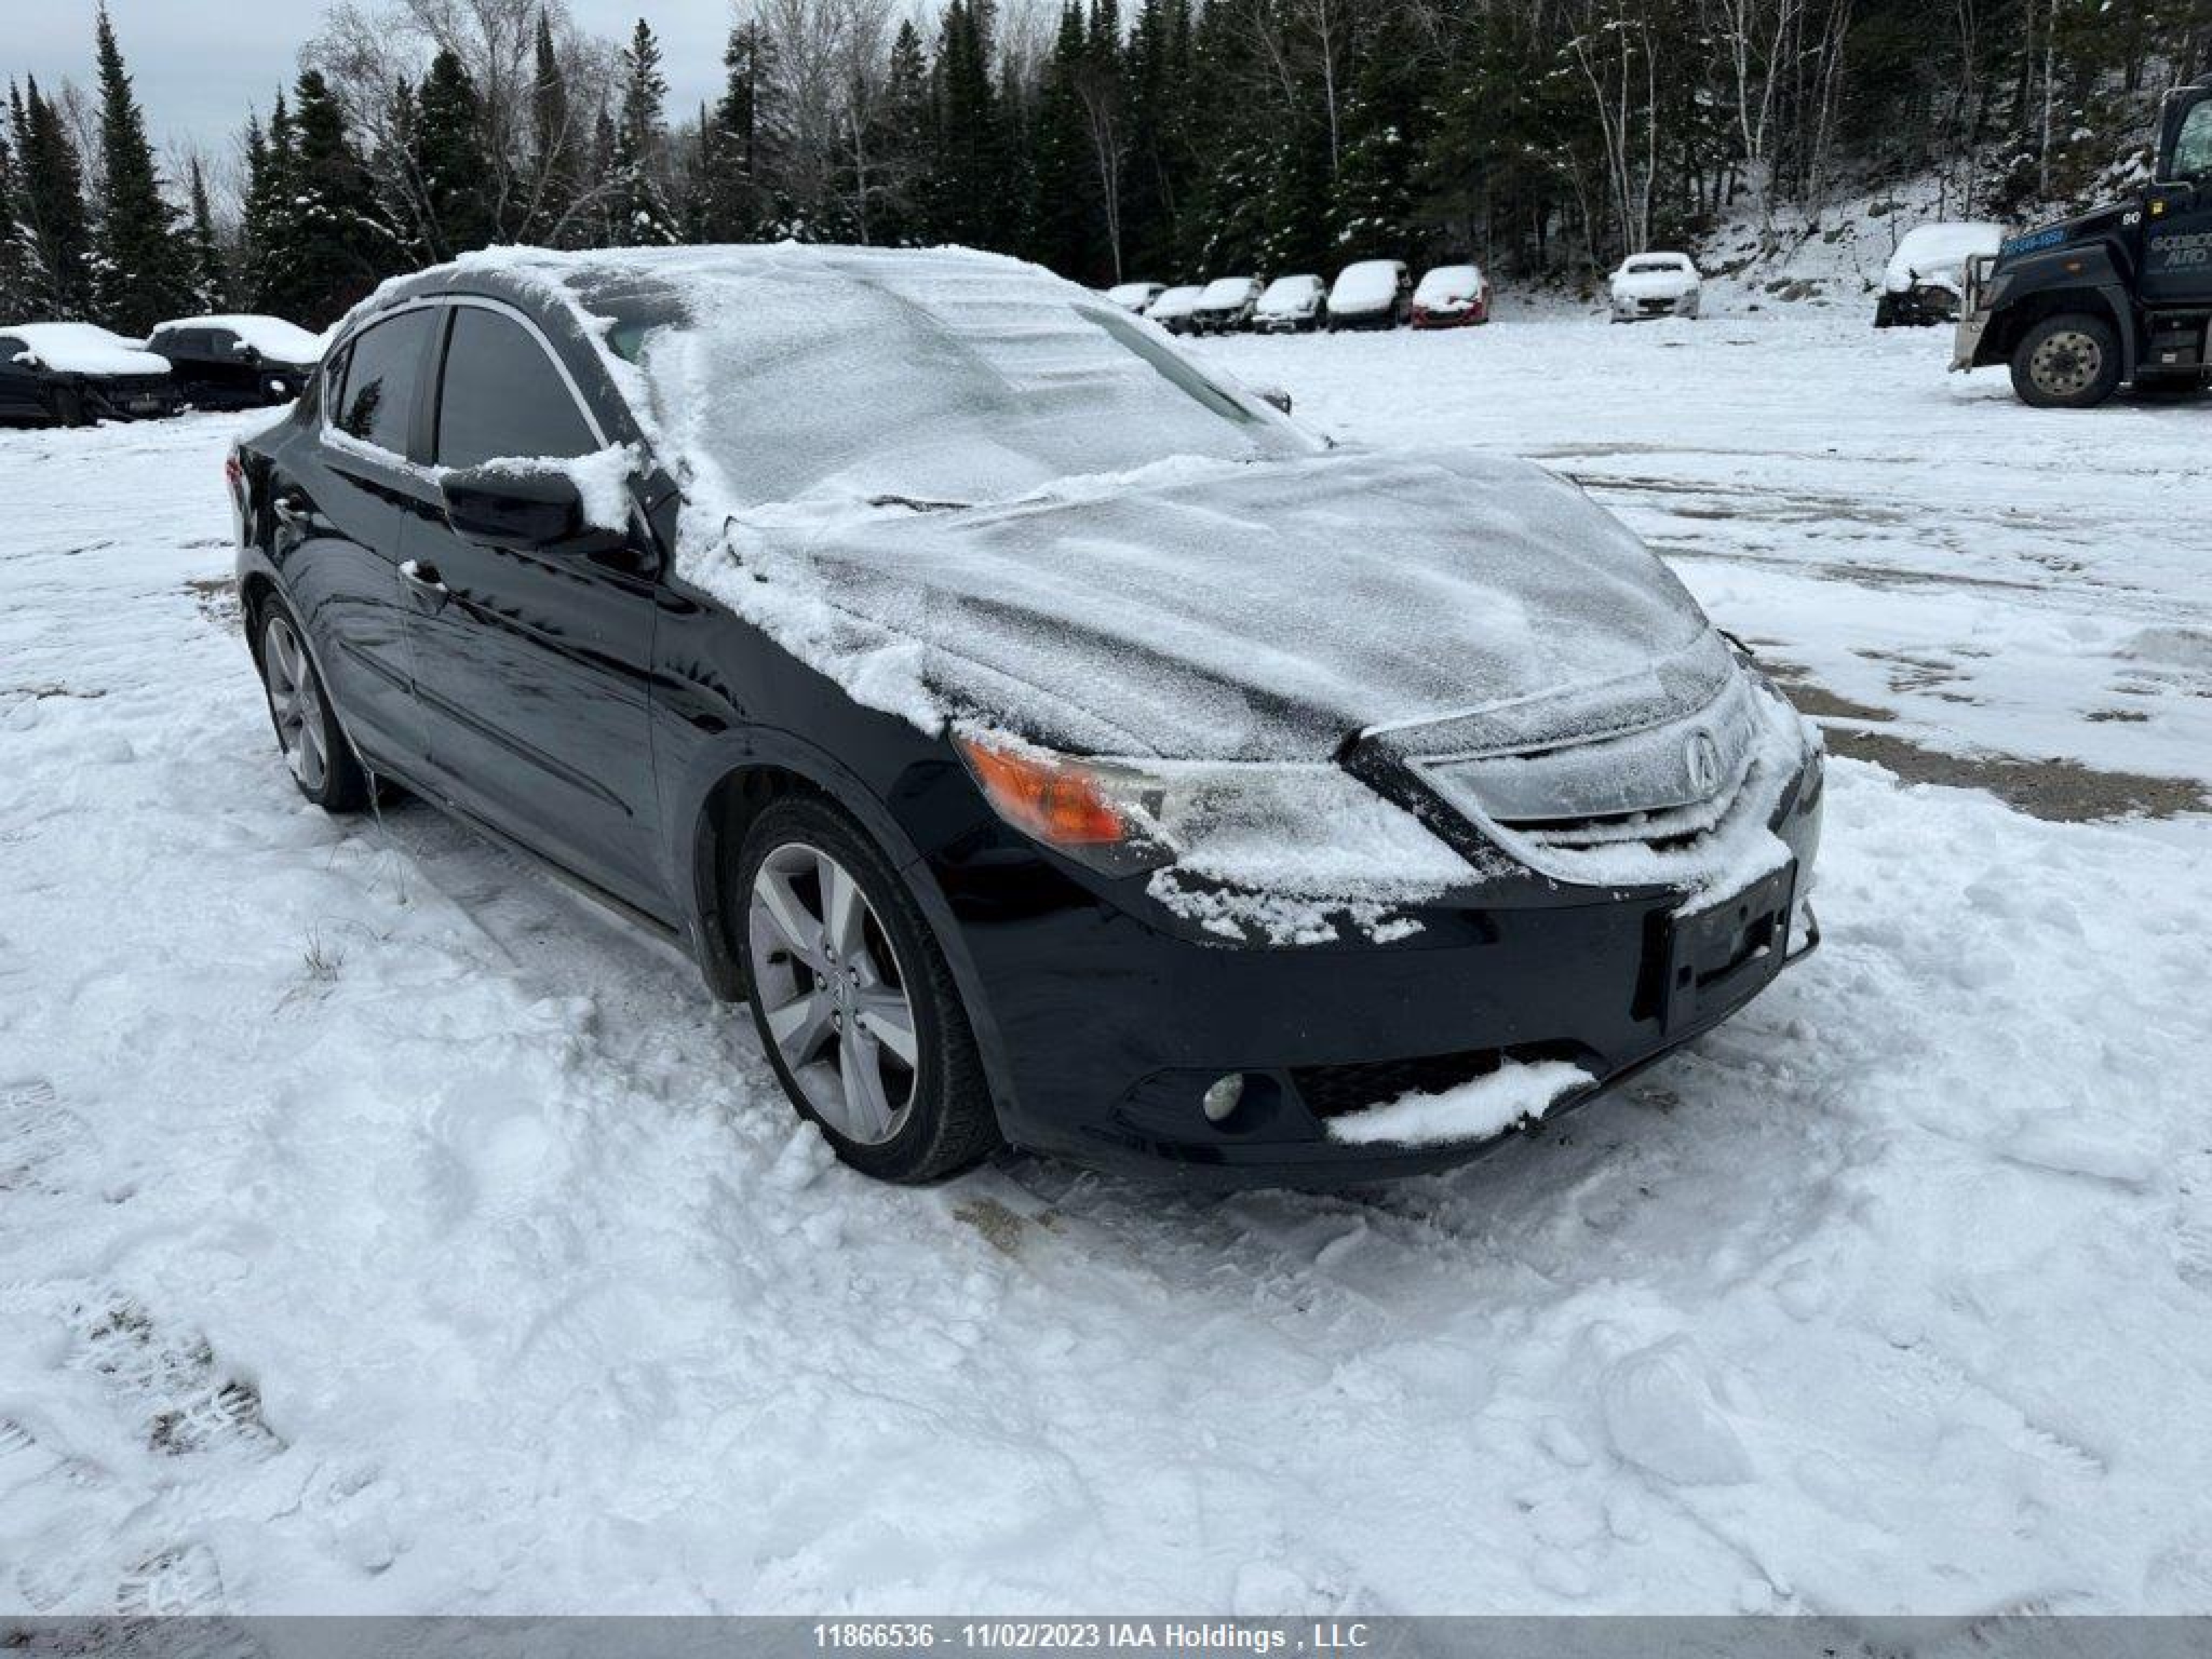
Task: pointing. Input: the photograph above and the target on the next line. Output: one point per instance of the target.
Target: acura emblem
(1703, 755)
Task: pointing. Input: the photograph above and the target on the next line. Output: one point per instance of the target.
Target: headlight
(1301, 828)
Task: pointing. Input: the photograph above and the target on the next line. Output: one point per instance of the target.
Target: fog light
(1222, 1097)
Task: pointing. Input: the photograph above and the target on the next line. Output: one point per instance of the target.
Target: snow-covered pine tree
(52, 229)
(644, 216)
(448, 162)
(139, 259)
(207, 278)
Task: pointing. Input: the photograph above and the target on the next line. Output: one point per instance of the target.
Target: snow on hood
(1291, 296)
(82, 349)
(1449, 285)
(1213, 610)
(273, 336)
(1938, 254)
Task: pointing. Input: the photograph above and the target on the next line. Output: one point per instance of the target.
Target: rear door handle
(425, 580)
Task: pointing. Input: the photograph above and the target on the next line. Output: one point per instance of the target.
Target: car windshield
(1449, 282)
(917, 379)
(1657, 267)
(1290, 293)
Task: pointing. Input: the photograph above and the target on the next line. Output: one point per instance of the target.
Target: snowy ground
(381, 1229)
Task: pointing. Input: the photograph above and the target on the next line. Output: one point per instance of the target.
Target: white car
(1292, 305)
(1136, 296)
(1372, 294)
(1657, 285)
(1928, 272)
(1225, 307)
(1176, 310)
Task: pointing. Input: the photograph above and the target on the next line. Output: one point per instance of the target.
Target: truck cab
(2119, 296)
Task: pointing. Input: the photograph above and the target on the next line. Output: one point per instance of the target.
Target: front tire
(314, 746)
(2068, 361)
(69, 406)
(855, 1007)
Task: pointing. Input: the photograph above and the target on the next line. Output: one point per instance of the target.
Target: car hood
(1218, 611)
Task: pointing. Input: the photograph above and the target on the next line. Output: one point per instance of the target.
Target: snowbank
(1517, 1092)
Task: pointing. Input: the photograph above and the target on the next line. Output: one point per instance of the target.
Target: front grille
(1337, 1090)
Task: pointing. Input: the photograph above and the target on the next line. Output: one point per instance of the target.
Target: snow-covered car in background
(1921, 286)
(1372, 294)
(1137, 297)
(1176, 310)
(1053, 742)
(1656, 285)
(1451, 296)
(236, 361)
(1290, 304)
(1225, 305)
(75, 373)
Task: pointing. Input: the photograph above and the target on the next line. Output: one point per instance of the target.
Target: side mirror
(29, 360)
(246, 352)
(525, 512)
(1275, 396)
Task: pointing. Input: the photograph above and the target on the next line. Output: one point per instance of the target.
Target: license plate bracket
(1718, 957)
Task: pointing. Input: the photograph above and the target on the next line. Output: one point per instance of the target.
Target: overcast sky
(199, 63)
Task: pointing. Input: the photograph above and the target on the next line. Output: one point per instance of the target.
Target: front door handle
(424, 580)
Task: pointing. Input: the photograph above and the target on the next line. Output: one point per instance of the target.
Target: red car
(1452, 296)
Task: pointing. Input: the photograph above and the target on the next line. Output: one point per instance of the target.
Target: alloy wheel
(833, 995)
(296, 704)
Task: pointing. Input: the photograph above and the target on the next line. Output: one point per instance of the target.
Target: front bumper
(1976, 309)
(1107, 1024)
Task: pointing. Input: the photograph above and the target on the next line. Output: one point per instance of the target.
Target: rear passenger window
(384, 384)
(503, 397)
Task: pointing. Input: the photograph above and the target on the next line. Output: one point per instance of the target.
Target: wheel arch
(2107, 303)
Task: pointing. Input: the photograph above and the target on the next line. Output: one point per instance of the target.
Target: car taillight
(234, 474)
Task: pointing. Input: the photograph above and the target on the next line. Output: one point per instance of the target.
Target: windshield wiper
(915, 505)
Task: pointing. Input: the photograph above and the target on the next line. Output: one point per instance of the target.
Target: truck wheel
(2068, 362)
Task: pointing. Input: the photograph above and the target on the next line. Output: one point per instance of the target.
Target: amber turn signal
(1060, 802)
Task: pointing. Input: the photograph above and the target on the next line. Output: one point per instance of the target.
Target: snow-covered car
(236, 361)
(1053, 742)
(1372, 294)
(1451, 296)
(1290, 304)
(1225, 305)
(1921, 286)
(1656, 285)
(1136, 296)
(1176, 310)
(75, 373)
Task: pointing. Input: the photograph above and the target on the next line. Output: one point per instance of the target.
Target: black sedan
(1054, 744)
(237, 362)
(75, 373)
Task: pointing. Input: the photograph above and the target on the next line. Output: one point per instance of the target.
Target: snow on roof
(1939, 250)
(1448, 282)
(1369, 283)
(1131, 294)
(1175, 301)
(1291, 293)
(273, 336)
(1223, 292)
(83, 349)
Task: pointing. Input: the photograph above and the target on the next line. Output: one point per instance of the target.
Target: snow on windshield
(1176, 301)
(1371, 283)
(82, 349)
(797, 373)
(1449, 282)
(1290, 294)
(1225, 291)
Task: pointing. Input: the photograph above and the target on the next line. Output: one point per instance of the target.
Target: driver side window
(2192, 149)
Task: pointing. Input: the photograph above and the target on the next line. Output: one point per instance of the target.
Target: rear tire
(856, 1009)
(313, 744)
(2071, 361)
